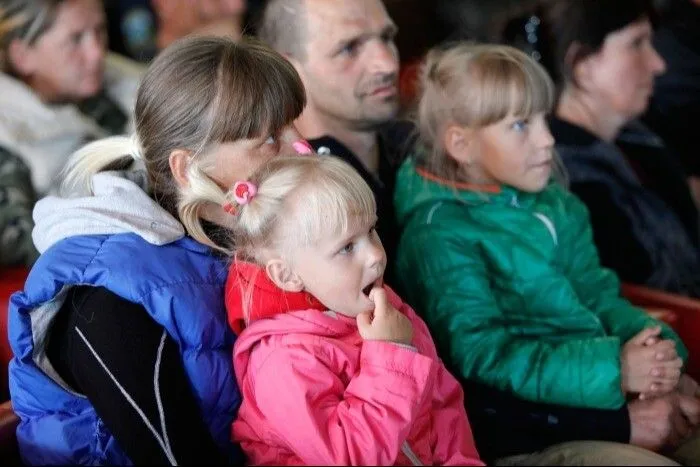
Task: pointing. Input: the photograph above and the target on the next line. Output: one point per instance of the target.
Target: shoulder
(298, 353)
(570, 204)
(119, 68)
(568, 211)
(428, 252)
(399, 138)
(138, 265)
(122, 79)
(439, 222)
(178, 262)
(12, 164)
(556, 193)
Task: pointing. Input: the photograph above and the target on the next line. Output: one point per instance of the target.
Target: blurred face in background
(350, 63)
(621, 74)
(179, 18)
(65, 63)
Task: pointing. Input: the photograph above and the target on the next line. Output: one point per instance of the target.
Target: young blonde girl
(500, 259)
(334, 367)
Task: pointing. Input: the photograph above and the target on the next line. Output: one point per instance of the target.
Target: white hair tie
(135, 151)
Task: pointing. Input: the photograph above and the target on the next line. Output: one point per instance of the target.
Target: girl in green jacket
(500, 259)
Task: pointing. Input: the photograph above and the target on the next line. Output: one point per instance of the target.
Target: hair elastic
(242, 192)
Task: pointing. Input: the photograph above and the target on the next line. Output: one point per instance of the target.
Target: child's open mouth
(377, 283)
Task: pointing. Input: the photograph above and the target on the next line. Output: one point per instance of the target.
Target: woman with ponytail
(121, 342)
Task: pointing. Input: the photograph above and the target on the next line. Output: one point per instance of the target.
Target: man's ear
(458, 142)
(22, 57)
(298, 66)
(580, 65)
(179, 162)
(282, 275)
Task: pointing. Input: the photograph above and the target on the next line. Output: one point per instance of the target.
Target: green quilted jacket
(512, 289)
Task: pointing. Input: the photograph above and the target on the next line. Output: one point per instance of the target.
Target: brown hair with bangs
(475, 86)
(197, 93)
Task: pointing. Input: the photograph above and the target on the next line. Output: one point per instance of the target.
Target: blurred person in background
(141, 28)
(675, 105)
(645, 222)
(58, 90)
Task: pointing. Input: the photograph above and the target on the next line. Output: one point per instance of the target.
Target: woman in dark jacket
(644, 219)
(676, 100)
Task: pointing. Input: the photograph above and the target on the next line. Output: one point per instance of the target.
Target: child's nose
(377, 257)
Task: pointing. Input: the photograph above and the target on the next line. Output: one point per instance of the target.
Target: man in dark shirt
(347, 59)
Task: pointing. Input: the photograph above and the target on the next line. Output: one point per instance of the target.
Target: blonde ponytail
(334, 197)
(201, 192)
(113, 153)
(257, 219)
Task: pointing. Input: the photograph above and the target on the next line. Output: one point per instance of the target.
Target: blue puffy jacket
(180, 284)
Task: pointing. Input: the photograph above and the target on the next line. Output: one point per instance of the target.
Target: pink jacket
(315, 393)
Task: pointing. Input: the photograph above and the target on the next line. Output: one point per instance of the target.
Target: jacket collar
(439, 188)
(248, 283)
(493, 189)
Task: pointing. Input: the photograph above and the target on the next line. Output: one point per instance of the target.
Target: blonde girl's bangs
(506, 82)
(475, 85)
(334, 198)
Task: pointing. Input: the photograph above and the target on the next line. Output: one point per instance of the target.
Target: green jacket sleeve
(598, 288)
(455, 294)
(17, 199)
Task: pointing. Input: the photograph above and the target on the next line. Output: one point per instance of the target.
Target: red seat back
(11, 280)
(8, 438)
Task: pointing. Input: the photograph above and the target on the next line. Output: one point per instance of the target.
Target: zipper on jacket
(550, 226)
(408, 452)
(545, 220)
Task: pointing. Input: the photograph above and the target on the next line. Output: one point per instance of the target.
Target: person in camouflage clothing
(59, 87)
(16, 201)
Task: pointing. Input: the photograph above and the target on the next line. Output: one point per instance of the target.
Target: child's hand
(686, 385)
(386, 323)
(652, 369)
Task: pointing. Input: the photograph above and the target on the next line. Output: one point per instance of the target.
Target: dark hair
(420, 26)
(586, 23)
(479, 20)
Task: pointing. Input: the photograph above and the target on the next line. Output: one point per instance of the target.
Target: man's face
(350, 63)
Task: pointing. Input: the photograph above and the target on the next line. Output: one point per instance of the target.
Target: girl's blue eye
(347, 249)
(350, 48)
(271, 140)
(520, 125)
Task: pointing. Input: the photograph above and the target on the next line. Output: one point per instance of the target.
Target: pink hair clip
(302, 147)
(243, 192)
